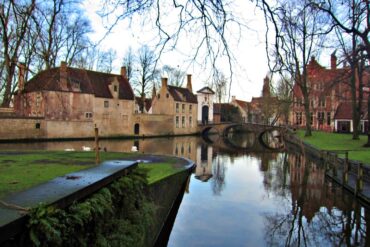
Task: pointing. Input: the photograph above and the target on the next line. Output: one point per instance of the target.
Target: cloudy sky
(249, 50)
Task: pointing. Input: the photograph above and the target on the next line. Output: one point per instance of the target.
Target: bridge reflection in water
(243, 194)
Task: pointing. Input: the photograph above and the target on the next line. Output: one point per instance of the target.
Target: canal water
(249, 196)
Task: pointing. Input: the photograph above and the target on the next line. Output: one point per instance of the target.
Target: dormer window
(115, 88)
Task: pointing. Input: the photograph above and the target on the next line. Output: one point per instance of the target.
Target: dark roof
(182, 94)
(148, 102)
(205, 89)
(241, 103)
(218, 107)
(344, 111)
(90, 82)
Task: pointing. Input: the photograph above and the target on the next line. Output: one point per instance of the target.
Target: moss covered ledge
(126, 212)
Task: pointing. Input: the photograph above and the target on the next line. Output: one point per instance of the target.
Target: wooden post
(335, 165)
(345, 170)
(97, 154)
(360, 183)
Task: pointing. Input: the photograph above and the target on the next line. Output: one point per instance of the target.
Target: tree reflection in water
(311, 212)
(218, 179)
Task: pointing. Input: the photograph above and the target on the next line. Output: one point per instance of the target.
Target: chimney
(164, 82)
(22, 71)
(333, 61)
(154, 92)
(188, 85)
(63, 75)
(124, 72)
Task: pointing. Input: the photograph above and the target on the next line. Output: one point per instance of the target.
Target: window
(183, 121)
(183, 108)
(328, 119)
(106, 103)
(38, 126)
(299, 118)
(158, 96)
(177, 121)
(190, 122)
(115, 88)
(320, 117)
(311, 118)
(167, 95)
(312, 103)
(322, 102)
(177, 107)
(190, 108)
(88, 114)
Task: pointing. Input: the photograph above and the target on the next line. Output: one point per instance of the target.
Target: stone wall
(21, 128)
(153, 124)
(68, 129)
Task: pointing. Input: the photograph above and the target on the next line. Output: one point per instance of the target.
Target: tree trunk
(368, 121)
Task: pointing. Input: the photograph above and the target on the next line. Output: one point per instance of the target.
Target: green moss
(336, 141)
(117, 215)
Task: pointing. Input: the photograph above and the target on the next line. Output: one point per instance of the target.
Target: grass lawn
(336, 141)
(22, 170)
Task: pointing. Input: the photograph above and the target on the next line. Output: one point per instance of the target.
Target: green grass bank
(23, 170)
(337, 141)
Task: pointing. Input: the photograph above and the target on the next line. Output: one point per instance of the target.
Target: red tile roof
(90, 82)
(344, 111)
(182, 94)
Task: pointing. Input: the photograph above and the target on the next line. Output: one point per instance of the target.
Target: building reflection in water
(312, 208)
(203, 171)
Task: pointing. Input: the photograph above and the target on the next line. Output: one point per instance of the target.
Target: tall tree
(14, 23)
(128, 62)
(146, 74)
(298, 33)
(175, 75)
(220, 85)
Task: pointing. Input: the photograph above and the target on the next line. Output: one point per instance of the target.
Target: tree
(62, 32)
(146, 73)
(284, 94)
(175, 75)
(299, 32)
(219, 85)
(128, 62)
(14, 23)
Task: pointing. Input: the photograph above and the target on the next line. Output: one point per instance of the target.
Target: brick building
(328, 88)
(75, 100)
(180, 103)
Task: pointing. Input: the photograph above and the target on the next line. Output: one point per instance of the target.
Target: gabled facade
(205, 97)
(328, 88)
(78, 97)
(180, 103)
(242, 106)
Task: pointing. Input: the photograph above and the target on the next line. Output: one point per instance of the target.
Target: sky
(249, 49)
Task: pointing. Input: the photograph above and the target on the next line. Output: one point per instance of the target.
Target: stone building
(70, 102)
(206, 98)
(328, 88)
(179, 103)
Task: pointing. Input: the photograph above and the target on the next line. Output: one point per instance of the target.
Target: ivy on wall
(117, 215)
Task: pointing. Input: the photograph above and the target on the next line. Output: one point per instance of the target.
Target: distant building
(242, 106)
(205, 97)
(343, 118)
(180, 103)
(73, 101)
(328, 89)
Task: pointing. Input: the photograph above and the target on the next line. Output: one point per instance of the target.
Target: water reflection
(253, 196)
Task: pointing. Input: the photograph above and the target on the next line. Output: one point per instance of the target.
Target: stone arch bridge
(268, 135)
